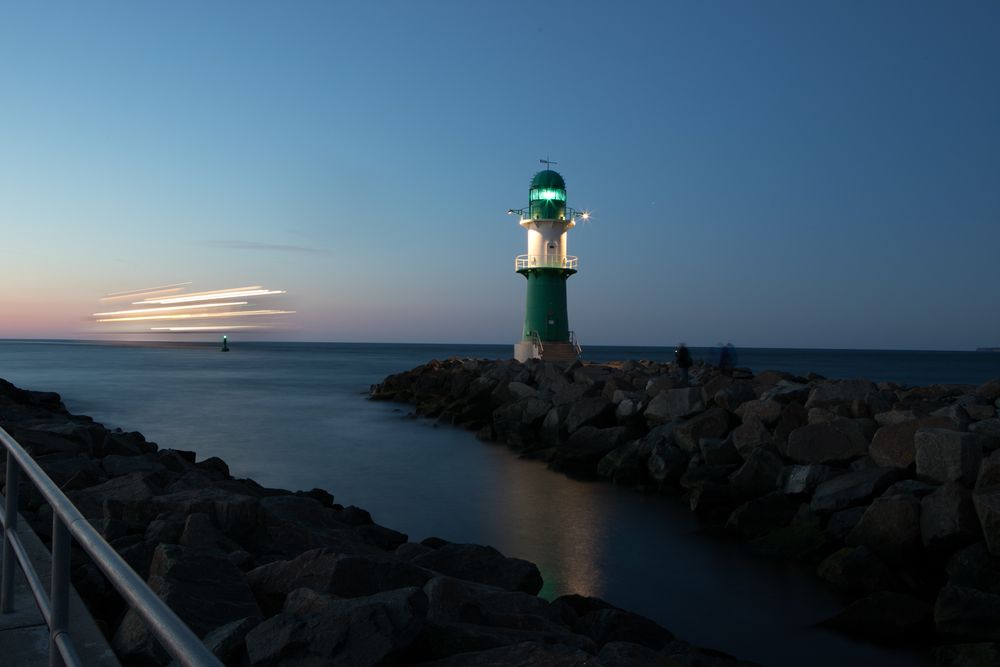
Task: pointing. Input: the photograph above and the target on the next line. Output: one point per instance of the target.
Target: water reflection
(575, 523)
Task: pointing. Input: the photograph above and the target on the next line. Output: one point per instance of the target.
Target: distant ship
(988, 349)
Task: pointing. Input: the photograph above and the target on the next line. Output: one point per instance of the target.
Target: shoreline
(294, 576)
(892, 493)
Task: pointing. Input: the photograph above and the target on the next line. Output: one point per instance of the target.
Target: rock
(988, 508)
(605, 623)
(627, 654)
(227, 641)
(893, 444)
(585, 447)
(793, 416)
(116, 465)
(856, 570)
(911, 487)
(716, 451)
(760, 516)
(983, 654)
(713, 423)
(989, 390)
(787, 392)
(751, 435)
(803, 479)
(891, 528)
(894, 417)
(597, 411)
(884, 615)
(733, 396)
(619, 457)
(852, 488)
(978, 412)
(768, 411)
(482, 564)
(137, 487)
(988, 427)
(759, 474)
(967, 613)
(673, 404)
(519, 390)
(837, 441)
(325, 571)
(843, 391)
(667, 463)
(947, 456)
(988, 478)
(841, 523)
(452, 600)
(522, 654)
(948, 519)
(358, 631)
(202, 587)
(974, 567)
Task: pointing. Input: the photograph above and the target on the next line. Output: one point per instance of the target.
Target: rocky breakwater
(269, 577)
(893, 492)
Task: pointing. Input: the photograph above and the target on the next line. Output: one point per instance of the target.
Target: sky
(776, 174)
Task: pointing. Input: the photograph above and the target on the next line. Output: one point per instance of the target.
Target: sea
(296, 416)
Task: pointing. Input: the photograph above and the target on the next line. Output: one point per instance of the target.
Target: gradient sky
(781, 174)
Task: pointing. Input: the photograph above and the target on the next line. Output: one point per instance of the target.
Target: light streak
(209, 296)
(131, 294)
(198, 316)
(212, 328)
(166, 308)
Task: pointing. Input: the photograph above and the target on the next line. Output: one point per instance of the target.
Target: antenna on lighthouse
(548, 163)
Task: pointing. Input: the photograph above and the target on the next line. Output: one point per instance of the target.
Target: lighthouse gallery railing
(522, 262)
(67, 523)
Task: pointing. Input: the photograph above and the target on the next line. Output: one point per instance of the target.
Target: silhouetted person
(683, 359)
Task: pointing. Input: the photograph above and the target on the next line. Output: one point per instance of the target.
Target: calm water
(295, 416)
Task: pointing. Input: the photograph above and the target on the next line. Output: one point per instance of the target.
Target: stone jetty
(891, 492)
(269, 577)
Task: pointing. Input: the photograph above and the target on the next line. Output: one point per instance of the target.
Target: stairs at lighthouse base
(559, 352)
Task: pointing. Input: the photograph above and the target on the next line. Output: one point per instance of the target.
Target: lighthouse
(547, 267)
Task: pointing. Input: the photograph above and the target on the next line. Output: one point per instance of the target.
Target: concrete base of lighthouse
(551, 351)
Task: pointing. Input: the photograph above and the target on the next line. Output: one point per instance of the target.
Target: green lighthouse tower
(546, 333)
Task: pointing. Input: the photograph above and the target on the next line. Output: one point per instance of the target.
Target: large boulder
(967, 613)
(988, 508)
(596, 411)
(357, 631)
(836, 441)
(759, 474)
(853, 488)
(673, 404)
(326, 571)
(803, 479)
(482, 564)
(894, 444)
(975, 567)
(988, 478)
(713, 423)
(948, 518)
(768, 411)
(585, 448)
(733, 396)
(944, 455)
(979, 654)
(533, 652)
(201, 586)
(751, 435)
(843, 391)
(605, 623)
(667, 463)
(891, 528)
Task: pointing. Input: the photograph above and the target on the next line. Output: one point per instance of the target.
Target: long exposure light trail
(220, 295)
(188, 316)
(253, 306)
(166, 308)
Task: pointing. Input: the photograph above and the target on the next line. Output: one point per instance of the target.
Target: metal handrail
(575, 342)
(522, 262)
(536, 340)
(68, 523)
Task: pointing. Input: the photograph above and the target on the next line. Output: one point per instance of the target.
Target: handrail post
(60, 587)
(9, 530)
